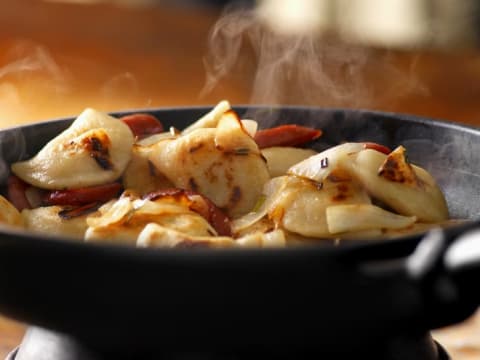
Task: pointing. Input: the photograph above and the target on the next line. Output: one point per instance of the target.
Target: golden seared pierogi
(223, 163)
(94, 150)
(222, 182)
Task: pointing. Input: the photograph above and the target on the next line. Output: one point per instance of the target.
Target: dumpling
(94, 150)
(408, 189)
(154, 235)
(121, 221)
(223, 163)
(300, 205)
(140, 175)
(48, 220)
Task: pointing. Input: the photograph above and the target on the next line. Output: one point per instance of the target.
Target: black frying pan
(361, 292)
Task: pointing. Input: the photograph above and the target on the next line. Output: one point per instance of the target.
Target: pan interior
(448, 151)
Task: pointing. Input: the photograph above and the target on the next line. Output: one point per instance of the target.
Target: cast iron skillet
(323, 296)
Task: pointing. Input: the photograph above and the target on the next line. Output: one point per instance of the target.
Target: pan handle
(462, 262)
(447, 271)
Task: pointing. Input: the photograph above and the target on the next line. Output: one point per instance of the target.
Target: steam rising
(307, 69)
(28, 70)
(36, 83)
(120, 86)
(12, 148)
(27, 58)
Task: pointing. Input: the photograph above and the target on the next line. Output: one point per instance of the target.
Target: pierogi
(219, 183)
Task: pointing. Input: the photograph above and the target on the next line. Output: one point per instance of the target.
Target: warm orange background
(56, 59)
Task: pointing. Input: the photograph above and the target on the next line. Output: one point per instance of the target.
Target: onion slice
(319, 166)
(359, 217)
(272, 239)
(265, 204)
(155, 235)
(111, 213)
(9, 213)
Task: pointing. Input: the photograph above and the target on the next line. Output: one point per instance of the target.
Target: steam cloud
(120, 86)
(29, 69)
(304, 69)
(28, 57)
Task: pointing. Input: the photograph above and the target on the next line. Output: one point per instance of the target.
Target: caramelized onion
(359, 217)
(318, 167)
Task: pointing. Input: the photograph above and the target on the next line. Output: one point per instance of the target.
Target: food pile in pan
(220, 182)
